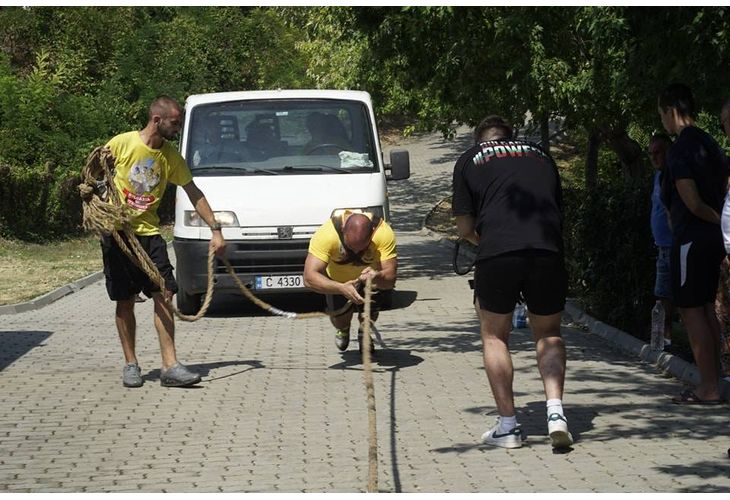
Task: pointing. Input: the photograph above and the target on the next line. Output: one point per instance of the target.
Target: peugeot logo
(285, 232)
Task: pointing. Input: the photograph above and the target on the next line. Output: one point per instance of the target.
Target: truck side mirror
(400, 165)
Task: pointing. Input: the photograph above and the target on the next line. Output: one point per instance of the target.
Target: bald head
(357, 232)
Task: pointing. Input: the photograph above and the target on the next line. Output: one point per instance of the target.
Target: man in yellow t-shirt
(144, 163)
(343, 252)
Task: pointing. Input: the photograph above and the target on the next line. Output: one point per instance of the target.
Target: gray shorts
(663, 282)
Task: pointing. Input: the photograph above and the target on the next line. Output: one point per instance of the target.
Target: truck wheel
(188, 303)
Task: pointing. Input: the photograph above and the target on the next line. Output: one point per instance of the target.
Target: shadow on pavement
(402, 299)
(394, 360)
(704, 469)
(236, 305)
(391, 359)
(16, 344)
(205, 368)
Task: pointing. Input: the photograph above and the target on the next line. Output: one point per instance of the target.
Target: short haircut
(162, 105)
(678, 96)
(493, 124)
(660, 137)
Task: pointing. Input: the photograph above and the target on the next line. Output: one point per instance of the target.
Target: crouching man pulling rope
(343, 253)
(144, 163)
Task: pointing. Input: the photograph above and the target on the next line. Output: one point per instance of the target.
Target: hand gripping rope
(103, 212)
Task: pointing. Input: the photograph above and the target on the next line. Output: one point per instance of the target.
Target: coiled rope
(103, 213)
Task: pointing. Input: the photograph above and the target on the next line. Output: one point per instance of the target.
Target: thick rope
(370, 390)
(104, 212)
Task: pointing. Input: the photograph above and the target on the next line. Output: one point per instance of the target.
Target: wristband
(216, 226)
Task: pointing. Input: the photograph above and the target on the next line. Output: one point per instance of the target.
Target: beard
(167, 133)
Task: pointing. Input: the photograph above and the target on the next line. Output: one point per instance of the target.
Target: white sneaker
(511, 439)
(558, 430)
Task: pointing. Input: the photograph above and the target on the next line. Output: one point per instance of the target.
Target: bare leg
(165, 326)
(495, 330)
(703, 330)
(342, 322)
(127, 328)
(550, 353)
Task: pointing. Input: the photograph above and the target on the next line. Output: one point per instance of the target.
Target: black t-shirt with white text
(512, 189)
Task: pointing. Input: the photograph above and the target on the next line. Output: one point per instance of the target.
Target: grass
(30, 270)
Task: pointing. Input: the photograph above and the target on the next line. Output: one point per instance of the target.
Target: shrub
(610, 253)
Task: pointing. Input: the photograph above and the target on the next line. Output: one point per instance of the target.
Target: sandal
(688, 397)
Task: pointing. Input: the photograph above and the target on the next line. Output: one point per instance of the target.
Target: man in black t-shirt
(507, 201)
(697, 174)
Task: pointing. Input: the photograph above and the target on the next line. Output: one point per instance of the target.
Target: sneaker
(342, 339)
(511, 439)
(360, 336)
(178, 375)
(558, 430)
(132, 375)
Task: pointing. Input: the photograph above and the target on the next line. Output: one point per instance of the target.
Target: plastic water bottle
(519, 317)
(657, 327)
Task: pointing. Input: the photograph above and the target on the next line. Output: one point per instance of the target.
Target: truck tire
(188, 303)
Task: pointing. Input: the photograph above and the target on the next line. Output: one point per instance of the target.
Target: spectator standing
(658, 145)
(722, 303)
(698, 175)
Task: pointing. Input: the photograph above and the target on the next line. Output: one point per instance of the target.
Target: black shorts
(695, 269)
(539, 274)
(123, 279)
(381, 301)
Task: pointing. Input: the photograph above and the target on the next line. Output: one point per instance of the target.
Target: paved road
(280, 410)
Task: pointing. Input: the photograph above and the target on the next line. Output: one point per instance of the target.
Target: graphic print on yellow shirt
(141, 177)
(325, 245)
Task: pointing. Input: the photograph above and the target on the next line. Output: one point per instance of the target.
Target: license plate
(286, 281)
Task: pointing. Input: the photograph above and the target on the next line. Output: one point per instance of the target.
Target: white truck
(274, 165)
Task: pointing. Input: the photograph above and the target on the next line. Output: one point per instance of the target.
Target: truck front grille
(266, 257)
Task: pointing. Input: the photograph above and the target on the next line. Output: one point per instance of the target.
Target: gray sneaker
(178, 375)
(132, 375)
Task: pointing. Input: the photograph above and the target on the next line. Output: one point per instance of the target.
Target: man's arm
(465, 228)
(197, 198)
(687, 190)
(315, 278)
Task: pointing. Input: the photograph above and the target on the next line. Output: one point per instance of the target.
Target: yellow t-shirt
(141, 177)
(325, 245)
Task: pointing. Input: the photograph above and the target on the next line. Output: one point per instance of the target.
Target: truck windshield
(286, 137)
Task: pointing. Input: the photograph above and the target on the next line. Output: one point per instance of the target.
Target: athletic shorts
(663, 282)
(695, 269)
(381, 301)
(123, 279)
(538, 274)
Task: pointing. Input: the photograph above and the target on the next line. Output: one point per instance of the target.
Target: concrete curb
(667, 363)
(664, 361)
(52, 296)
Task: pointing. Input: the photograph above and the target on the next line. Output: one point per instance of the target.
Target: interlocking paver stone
(279, 409)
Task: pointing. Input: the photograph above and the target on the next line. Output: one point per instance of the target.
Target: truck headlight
(226, 219)
(363, 210)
